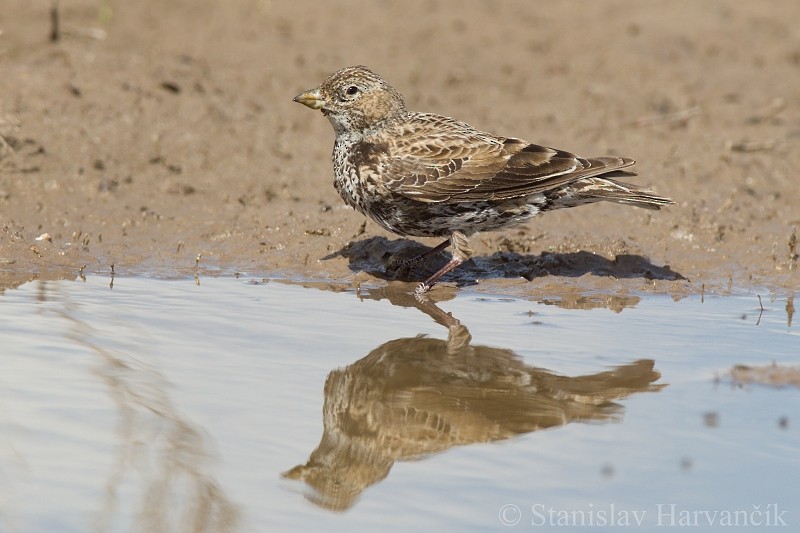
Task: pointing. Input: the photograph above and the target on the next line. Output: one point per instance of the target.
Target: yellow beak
(312, 99)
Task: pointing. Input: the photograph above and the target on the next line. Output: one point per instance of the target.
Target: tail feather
(598, 189)
(625, 193)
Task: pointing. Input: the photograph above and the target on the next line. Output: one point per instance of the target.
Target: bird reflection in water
(410, 398)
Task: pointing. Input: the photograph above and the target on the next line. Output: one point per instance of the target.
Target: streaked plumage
(426, 175)
(415, 397)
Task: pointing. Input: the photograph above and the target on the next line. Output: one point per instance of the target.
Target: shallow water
(162, 405)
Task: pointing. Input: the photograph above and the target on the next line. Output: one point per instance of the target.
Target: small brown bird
(426, 175)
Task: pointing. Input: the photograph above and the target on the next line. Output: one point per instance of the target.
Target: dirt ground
(161, 137)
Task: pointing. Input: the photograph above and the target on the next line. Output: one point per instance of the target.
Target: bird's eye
(352, 90)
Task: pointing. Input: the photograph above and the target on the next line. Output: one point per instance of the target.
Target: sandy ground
(160, 137)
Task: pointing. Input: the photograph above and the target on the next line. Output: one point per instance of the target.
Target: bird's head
(355, 100)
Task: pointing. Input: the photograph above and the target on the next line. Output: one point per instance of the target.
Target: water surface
(244, 405)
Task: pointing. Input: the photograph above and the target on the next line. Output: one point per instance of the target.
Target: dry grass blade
(752, 146)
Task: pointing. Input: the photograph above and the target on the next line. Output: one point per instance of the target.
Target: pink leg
(425, 255)
(461, 252)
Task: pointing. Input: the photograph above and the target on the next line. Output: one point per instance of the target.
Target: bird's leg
(461, 252)
(425, 255)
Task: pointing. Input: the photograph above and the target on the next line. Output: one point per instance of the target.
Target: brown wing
(438, 159)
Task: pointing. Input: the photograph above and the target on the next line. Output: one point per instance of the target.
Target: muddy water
(244, 405)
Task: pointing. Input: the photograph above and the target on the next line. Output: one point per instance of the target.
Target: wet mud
(162, 139)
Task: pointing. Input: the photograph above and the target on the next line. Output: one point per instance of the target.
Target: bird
(411, 398)
(427, 175)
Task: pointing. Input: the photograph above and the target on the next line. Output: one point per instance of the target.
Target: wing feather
(441, 160)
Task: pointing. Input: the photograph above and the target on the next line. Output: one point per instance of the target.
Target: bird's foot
(421, 289)
(461, 252)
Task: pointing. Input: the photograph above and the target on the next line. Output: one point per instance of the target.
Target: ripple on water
(162, 401)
